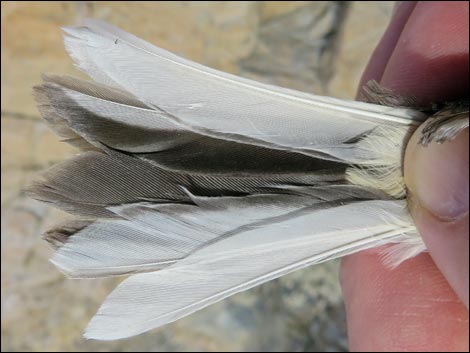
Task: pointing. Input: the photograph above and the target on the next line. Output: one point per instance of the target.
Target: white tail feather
(245, 260)
(218, 104)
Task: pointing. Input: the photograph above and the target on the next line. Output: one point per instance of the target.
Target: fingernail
(437, 176)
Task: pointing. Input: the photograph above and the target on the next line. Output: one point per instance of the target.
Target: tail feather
(210, 183)
(107, 118)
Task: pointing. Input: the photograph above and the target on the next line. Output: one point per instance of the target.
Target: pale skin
(423, 304)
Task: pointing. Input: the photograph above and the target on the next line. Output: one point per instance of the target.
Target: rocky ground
(319, 47)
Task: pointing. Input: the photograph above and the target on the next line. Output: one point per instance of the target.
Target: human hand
(423, 304)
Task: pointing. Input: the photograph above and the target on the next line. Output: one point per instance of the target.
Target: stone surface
(362, 29)
(301, 57)
(320, 47)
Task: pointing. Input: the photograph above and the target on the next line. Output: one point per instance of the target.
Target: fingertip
(384, 49)
(437, 175)
(430, 59)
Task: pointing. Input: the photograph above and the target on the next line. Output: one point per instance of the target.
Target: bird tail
(200, 184)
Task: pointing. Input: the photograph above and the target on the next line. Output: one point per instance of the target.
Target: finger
(380, 56)
(377, 307)
(430, 60)
(437, 176)
(437, 179)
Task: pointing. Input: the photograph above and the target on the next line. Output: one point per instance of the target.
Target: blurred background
(319, 47)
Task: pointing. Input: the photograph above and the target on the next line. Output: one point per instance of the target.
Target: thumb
(437, 180)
